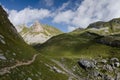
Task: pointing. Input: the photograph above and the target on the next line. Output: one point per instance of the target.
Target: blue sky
(20, 4)
(38, 4)
(66, 15)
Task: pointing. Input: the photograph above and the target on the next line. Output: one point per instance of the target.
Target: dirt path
(7, 69)
(67, 70)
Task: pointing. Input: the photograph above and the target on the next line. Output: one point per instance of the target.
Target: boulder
(86, 64)
(104, 61)
(109, 68)
(117, 76)
(95, 73)
(117, 64)
(107, 77)
(114, 60)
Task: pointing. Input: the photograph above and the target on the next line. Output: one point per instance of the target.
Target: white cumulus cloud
(65, 16)
(89, 11)
(27, 15)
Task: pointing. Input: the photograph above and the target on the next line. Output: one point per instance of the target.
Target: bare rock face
(37, 27)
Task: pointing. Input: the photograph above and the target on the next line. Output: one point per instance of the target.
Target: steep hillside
(37, 33)
(18, 61)
(12, 45)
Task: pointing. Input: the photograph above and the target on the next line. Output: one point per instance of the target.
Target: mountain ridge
(105, 28)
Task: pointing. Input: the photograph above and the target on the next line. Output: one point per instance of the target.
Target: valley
(42, 52)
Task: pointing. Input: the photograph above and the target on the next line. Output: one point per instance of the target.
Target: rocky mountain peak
(41, 32)
(37, 27)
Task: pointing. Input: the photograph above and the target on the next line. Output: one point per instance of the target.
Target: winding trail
(67, 70)
(7, 69)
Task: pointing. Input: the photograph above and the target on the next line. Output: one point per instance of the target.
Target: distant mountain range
(37, 33)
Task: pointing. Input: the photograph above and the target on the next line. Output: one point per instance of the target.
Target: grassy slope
(70, 47)
(36, 71)
(81, 43)
(75, 45)
(15, 45)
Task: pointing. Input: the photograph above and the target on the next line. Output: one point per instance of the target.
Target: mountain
(90, 53)
(19, 61)
(106, 28)
(37, 33)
